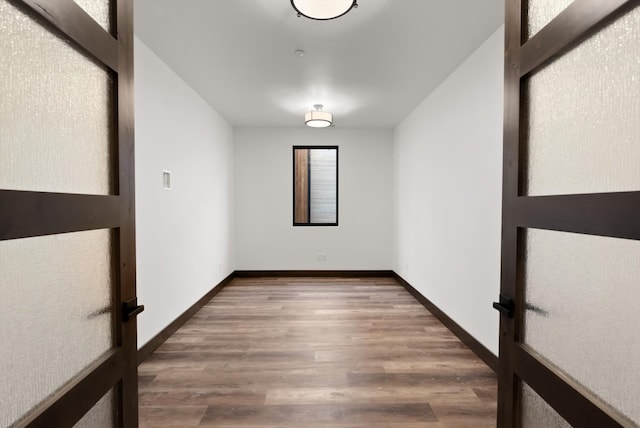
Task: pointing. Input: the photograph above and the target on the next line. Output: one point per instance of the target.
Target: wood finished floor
(309, 352)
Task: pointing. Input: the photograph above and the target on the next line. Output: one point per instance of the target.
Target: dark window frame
(293, 195)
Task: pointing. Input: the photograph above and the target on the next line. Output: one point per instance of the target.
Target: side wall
(447, 193)
(184, 239)
(264, 236)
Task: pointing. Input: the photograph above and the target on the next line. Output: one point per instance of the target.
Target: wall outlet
(322, 257)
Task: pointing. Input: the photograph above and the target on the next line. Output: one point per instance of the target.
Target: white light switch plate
(166, 180)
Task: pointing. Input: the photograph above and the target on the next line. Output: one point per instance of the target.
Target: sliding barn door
(67, 250)
(570, 292)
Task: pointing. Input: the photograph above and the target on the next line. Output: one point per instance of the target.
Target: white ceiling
(370, 68)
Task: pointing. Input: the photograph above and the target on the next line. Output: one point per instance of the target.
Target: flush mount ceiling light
(323, 10)
(318, 118)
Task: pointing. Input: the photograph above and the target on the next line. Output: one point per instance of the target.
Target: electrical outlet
(322, 257)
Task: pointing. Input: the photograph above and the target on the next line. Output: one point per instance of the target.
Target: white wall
(447, 193)
(264, 236)
(184, 235)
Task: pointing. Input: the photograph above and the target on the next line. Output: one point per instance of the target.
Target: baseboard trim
(166, 333)
(314, 273)
(478, 348)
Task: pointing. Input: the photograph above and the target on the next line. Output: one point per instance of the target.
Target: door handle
(130, 309)
(505, 306)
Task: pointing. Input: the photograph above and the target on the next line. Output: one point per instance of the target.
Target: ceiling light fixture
(323, 10)
(318, 118)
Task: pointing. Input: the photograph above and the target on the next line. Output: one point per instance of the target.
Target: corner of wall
(447, 190)
(184, 235)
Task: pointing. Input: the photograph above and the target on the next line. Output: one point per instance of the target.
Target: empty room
(319, 213)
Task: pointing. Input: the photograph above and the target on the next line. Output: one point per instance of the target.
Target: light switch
(166, 180)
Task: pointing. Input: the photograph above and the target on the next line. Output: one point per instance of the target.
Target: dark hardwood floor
(315, 352)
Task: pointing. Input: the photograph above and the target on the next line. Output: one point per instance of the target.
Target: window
(315, 185)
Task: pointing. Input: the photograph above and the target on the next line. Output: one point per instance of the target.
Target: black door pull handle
(130, 309)
(505, 306)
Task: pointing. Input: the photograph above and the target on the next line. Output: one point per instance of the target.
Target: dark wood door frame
(603, 214)
(28, 214)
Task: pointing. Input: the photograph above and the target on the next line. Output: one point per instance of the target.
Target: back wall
(265, 238)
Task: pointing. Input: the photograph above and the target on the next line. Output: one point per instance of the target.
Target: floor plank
(315, 352)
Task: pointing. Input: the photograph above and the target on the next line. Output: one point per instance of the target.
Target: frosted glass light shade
(318, 119)
(323, 9)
